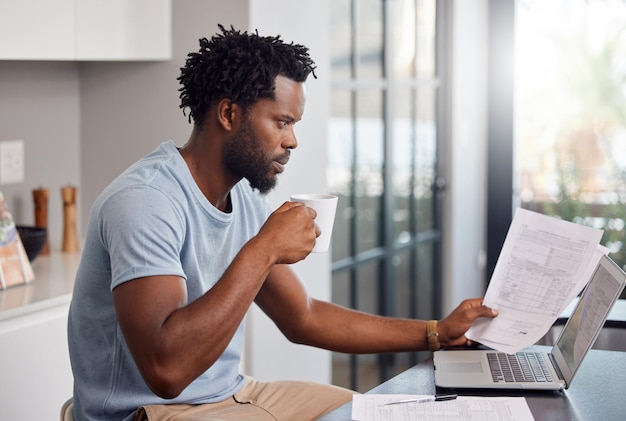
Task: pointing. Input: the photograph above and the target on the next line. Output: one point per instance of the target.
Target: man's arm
(173, 341)
(308, 321)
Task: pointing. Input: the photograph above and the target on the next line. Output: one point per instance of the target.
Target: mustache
(284, 158)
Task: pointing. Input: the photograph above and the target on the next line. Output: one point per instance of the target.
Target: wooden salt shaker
(40, 198)
(70, 234)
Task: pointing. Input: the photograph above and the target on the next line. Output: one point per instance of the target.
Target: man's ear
(228, 114)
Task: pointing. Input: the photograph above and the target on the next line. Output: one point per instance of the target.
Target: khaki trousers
(258, 401)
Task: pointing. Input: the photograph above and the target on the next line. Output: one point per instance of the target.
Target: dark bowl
(33, 239)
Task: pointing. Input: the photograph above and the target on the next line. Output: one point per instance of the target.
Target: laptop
(554, 370)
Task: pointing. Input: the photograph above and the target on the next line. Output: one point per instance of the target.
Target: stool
(66, 411)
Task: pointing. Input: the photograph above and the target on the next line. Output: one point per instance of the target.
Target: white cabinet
(37, 29)
(35, 365)
(123, 30)
(85, 30)
(35, 372)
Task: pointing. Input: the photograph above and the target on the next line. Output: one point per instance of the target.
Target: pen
(436, 398)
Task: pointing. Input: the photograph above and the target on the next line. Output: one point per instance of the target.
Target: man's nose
(291, 141)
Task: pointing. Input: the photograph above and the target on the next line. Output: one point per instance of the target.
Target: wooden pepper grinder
(70, 234)
(40, 197)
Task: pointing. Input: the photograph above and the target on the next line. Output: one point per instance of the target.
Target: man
(182, 243)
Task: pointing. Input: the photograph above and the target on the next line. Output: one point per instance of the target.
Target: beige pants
(258, 401)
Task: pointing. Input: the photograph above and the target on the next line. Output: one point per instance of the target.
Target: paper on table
(544, 263)
(371, 408)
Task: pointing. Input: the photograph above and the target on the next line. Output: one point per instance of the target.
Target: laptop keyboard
(518, 367)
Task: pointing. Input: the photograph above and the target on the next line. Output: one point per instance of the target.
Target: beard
(243, 156)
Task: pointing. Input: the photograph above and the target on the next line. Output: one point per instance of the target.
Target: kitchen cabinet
(123, 30)
(37, 29)
(34, 358)
(85, 30)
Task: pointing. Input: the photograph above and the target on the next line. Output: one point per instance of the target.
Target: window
(569, 126)
(384, 165)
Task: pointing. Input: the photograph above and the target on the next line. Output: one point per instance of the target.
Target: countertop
(53, 284)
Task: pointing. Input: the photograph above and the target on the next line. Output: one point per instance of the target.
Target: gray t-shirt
(152, 220)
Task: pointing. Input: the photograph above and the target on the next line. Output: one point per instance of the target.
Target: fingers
(472, 303)
(291, 230)
(291, 205)
(288, 205)
(453, 327)
(310, 212)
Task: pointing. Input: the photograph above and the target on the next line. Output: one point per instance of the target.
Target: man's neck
(203, 160)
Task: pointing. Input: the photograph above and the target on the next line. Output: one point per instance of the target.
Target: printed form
(544, 264)
(465, 408)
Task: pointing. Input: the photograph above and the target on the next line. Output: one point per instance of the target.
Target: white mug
(325, 205)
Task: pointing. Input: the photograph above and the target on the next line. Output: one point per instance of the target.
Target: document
(544, 264)
(465, 408)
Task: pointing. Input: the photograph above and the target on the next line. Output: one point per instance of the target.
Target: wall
(464, 225)
(308, 23)
(39, 104)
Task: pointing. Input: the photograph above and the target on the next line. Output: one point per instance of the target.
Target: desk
(597, 392)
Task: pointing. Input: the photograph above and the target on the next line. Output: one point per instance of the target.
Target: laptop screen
(589, 315)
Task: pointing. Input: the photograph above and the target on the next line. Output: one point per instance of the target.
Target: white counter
(54, 280)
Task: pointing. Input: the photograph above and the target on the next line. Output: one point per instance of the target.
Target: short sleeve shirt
(152, 220)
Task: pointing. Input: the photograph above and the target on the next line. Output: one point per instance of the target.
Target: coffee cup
(325, 205)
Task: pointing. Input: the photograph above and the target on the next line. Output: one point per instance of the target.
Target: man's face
(260, 149)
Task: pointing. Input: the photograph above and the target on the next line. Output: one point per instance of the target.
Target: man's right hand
(290, 232)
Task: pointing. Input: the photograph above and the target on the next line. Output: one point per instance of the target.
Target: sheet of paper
(465, 408)
(544, 263)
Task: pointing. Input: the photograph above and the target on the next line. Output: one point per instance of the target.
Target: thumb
(488, 312)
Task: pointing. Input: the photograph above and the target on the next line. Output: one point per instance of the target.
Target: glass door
(385, 166)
